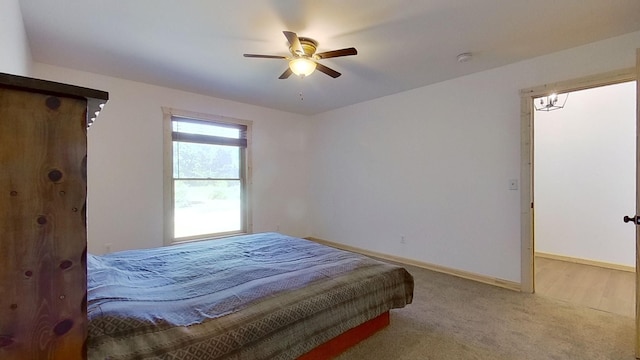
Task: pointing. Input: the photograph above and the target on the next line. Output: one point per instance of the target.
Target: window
(206, 176)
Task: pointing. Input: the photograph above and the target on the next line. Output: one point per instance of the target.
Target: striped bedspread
(262, 296)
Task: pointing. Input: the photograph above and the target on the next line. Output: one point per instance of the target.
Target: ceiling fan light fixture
(302, 66)
(302, 61)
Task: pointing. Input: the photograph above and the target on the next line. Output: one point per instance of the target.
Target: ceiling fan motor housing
(309, 47)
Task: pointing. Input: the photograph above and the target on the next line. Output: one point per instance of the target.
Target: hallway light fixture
(551, 102)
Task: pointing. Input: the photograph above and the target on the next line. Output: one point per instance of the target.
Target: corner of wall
(13, 40)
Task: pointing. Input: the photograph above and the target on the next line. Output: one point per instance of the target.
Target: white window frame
(168, 114)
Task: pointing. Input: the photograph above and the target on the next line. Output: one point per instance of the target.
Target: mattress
(260, 296)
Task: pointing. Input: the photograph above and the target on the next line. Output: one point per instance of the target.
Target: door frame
(527, 213)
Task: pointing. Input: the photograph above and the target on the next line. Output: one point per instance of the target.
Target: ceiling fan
(304, 60)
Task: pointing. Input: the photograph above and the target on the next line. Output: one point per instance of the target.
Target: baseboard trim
(574, 260)
(511, 285)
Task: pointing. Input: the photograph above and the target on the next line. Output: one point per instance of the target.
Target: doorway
(583, 180)
(526, 166)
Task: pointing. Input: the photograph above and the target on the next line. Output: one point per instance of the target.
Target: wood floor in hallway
(595, 287)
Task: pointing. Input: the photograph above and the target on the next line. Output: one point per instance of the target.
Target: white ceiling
(198, 45)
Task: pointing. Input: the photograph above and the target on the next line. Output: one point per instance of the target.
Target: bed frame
(344, 341)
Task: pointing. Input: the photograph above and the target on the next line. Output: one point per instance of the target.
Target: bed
(260, 296)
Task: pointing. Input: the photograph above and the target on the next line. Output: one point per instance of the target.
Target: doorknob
(634, 219)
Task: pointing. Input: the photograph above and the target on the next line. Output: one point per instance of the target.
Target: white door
(637, 202)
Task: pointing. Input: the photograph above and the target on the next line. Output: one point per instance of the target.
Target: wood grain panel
(596, 287)
(42, 229)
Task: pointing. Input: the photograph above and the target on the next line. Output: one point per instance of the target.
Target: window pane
(205, 128)
(192, 160)
(206, 207)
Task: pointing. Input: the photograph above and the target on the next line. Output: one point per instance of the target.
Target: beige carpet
(453, 318)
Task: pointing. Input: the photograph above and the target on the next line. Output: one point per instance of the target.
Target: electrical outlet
(402, 239)
(107, 248)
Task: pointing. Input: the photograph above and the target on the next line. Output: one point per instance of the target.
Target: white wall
(125, 160)
(433, 164)
(584, 161)
(15, 55)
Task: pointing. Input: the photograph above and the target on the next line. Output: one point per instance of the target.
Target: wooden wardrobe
(43, 237)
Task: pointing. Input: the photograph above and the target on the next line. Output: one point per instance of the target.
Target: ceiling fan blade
(336, 53)
(264, 56)
(293, 40)
(334, 74)
(286, 74)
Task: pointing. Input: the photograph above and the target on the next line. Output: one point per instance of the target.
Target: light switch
(513, 184)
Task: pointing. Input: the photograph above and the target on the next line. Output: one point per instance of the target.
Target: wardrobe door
(43, 238)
